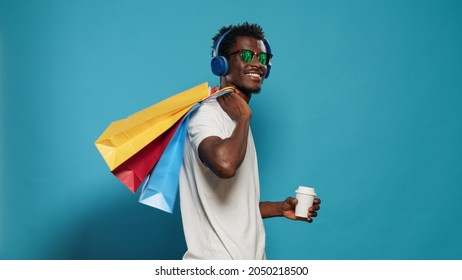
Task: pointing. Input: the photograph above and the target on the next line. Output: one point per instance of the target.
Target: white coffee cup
(305, 197)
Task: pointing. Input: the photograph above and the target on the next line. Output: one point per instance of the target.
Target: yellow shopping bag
(124, 138)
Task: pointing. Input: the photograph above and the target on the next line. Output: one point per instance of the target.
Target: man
(219, 183)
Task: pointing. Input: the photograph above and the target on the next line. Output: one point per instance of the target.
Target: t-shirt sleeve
(203, 123)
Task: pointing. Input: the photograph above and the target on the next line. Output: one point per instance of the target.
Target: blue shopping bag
(161, 186)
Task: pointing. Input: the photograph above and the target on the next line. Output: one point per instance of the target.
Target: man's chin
(257, 91)
(251, 90)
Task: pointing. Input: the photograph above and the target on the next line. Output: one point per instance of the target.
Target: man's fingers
(294, 201)
(315, 207)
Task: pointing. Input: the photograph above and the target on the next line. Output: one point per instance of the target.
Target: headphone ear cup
(219, 65)
(268, 50)
(268, 68)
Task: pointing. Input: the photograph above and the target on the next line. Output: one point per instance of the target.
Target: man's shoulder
(209, 112)
(210, 106)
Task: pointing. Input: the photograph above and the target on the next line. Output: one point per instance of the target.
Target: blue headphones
(219, 63)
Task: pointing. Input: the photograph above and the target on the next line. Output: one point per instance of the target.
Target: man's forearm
(270, 209)
(234, 148)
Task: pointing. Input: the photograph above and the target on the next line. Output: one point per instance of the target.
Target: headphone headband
(216, 48)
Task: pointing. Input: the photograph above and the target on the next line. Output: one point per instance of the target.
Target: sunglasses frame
(240, 51)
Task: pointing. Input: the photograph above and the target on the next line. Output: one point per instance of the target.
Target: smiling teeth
(253, 74)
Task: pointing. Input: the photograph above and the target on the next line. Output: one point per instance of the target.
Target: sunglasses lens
(263, 58)
(246, 56)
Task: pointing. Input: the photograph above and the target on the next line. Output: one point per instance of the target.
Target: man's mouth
(254, 75)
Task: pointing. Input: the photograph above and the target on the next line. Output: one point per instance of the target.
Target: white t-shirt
(221, 217)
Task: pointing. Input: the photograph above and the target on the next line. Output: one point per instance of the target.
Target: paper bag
(124, 138)
(136, 169)
(161, 186)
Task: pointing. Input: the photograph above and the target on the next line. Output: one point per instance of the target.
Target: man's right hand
(235, 106)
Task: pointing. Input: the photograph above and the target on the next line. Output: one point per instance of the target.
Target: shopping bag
(136, 169)
(124, 138)
(161, 186)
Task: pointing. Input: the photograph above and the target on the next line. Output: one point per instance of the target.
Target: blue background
(364, 103)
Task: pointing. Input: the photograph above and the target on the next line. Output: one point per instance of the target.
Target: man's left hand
(288, 209)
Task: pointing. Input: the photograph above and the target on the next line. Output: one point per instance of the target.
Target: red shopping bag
(135, 170)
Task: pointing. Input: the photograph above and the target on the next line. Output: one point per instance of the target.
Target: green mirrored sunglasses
(248, 55)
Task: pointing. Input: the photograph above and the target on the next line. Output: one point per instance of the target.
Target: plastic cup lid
(305, 190)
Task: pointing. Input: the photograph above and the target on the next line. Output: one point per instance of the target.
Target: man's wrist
(271, 209)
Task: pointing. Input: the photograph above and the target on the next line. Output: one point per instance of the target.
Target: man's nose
(255, 60)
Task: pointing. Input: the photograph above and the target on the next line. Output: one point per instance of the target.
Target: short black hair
(241, 30)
